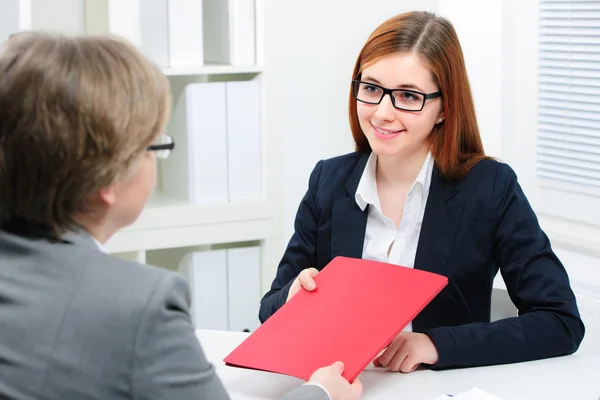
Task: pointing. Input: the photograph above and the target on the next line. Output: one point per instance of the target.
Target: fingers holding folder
(338, 387)
(304, 280)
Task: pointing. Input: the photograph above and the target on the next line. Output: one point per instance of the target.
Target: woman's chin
(387, 151)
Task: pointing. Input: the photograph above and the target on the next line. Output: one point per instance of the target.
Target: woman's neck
(395, 171)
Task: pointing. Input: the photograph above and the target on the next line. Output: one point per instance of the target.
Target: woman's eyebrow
(403, 86)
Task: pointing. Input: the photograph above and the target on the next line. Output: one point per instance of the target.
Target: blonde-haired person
(81, 125)
(420, 192)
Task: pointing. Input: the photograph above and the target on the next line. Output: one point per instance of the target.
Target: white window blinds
(568, 141)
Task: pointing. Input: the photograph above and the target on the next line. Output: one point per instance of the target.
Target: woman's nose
(385, 109)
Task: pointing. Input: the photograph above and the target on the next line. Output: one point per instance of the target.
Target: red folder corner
(359, 306)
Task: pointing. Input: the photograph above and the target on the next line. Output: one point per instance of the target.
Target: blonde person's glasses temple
(163, 146)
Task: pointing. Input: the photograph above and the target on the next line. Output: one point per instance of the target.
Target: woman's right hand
(331, 378)
(304, 280)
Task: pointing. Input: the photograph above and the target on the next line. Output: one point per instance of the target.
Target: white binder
(15, 16)
(229, 32)
(244, 277)
(119, 17)
(244, 140)
(58, 15)
(198, 172)
(154, 31)
(206, 272)
(185, 33)
(143, 22)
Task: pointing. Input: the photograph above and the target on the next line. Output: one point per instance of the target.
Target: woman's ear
(440, 118)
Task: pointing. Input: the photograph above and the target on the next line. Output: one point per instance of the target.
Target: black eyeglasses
(163, 146)
(402, 99)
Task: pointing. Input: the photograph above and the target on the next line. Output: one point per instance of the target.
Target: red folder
(359, 306)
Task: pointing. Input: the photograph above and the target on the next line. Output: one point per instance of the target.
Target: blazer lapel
(348, 221)
(440, 222)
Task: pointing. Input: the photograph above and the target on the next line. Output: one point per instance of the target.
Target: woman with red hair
(420, 192)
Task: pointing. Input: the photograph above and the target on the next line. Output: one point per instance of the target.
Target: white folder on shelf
(143, 22)
(119, 17)
(206, 272)
(53, 16)
(154, 31)
(185, 23)
(244, 279)
(230, 32)
(244, 140)
(243, 32)
(197, 171)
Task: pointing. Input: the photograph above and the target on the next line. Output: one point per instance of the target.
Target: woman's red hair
(455, 143)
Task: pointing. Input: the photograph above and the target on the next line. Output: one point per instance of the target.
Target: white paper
(473, 394)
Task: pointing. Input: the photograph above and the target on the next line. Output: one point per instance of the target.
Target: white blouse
(381, 232)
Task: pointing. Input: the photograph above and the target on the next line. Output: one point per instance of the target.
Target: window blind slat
(568, 39)
(546, 15)
(569, 23)
(569, 73)
(571, 133)
(570, 171)
(568, 89)
(571, 64)
(572, 115)
(570, 97)
(573, 106)
(553, 176)
(570, 56)
(568, 147)
(551, 154)
(568, 48)
(566, 80)
(570, 6)
(569, 121)
(573, 30)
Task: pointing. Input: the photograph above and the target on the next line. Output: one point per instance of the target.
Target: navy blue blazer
(471, 229)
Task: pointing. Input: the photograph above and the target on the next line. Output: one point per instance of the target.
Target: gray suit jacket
(76, 323)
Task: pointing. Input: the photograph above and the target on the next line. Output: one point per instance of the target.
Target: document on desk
(473, 394)
(359, 306)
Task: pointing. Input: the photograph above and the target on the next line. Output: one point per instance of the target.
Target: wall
(481, 41)
(311, 48)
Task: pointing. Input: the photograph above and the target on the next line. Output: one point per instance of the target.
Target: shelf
(163, 211)
(213, 69)
(194, 235)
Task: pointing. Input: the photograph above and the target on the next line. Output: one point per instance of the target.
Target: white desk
(575, 377)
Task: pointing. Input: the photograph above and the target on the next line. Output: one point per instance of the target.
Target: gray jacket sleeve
(306, 392)
(168, 360)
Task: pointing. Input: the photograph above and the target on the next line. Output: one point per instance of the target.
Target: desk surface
(575, 377)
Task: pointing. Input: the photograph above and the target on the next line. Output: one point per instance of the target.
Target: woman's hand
(304, 280)
(407, 351)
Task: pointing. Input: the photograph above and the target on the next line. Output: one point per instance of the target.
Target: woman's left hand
(407, 351)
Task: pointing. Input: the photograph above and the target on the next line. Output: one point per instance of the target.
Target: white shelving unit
(170, 224)
(177, 226)
(213, 69)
